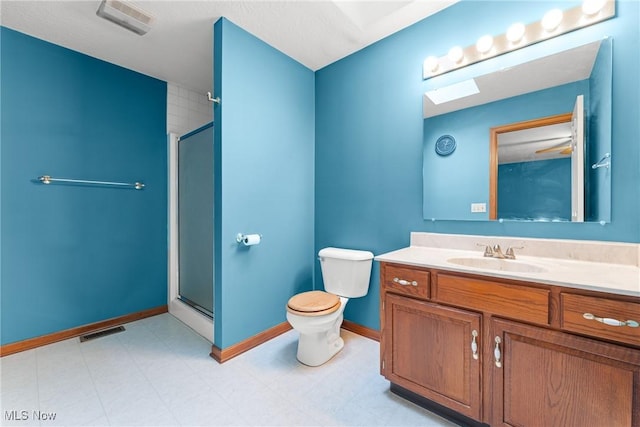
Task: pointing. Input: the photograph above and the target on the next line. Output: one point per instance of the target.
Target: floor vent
(102, 333)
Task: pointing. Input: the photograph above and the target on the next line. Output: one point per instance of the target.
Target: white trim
(200, 323)
(197, 321)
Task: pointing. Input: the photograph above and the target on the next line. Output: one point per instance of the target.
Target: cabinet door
(549, 378)
(428, 350)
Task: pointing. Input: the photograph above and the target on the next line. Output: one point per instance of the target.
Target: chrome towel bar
(46, 179)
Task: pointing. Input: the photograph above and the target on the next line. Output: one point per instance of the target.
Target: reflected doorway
(536, 169)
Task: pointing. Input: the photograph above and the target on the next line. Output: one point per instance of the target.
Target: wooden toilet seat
(313, 303)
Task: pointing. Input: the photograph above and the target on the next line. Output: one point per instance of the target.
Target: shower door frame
(193, 318)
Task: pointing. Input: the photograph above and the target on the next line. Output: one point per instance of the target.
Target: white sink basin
(498, 264)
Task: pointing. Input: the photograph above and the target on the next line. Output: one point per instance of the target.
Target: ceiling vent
(126, 15)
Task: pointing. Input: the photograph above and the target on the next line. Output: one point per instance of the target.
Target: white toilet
(317, 315)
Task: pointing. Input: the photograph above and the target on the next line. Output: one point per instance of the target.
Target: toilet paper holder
(248, 239)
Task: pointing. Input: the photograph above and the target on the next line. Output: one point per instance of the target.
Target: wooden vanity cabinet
(429, 352)
(549, 378)
(506, 353)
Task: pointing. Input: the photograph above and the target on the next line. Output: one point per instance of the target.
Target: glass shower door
(195, 219)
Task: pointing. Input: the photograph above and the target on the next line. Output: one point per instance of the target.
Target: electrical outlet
(478, 207)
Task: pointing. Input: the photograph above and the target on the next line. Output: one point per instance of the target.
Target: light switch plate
(478, 207)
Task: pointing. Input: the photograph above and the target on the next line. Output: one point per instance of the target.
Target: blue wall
(369, 133)
(539, 190)
(74, 255)
(264, 180)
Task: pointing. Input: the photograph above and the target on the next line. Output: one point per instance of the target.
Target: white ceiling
(524, 145)
(179, 47)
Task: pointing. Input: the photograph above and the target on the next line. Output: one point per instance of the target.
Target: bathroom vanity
(532, 341)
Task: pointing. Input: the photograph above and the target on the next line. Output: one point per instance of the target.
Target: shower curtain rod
(46, 179)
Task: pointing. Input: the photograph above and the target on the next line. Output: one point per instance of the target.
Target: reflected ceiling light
(592, 7)
(453, 92)
(552, 19)
(515, 32)
(455, 54)
(431, 63)
(484, 43)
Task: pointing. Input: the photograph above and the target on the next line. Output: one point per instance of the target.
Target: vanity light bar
(555, 22)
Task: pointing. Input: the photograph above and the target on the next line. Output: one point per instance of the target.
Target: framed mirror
(525, 143)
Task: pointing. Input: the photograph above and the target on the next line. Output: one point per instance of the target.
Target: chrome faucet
(496, 251)
(510, 253)
(488, 252)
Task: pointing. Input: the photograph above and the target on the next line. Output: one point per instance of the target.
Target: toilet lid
(314, 303)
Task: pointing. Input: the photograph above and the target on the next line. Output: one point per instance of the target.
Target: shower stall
(191, 229)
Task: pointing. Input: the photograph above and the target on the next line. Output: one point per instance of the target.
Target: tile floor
(158, 373)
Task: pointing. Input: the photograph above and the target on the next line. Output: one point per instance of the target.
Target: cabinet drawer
(574, 307)
(406, 280)
(514, 301)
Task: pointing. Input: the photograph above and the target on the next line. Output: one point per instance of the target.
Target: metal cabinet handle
(404, 282)
(611, 322)
(474, 344)
(497, 354)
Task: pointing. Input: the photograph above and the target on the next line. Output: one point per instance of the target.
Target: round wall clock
(445, 145)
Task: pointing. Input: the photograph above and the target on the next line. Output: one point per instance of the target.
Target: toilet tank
(346, 272)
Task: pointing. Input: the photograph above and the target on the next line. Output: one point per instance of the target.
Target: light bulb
(431, 64)
(484, 44)
(455, 54)
(552, 19)
(591, 7)
(515, 32)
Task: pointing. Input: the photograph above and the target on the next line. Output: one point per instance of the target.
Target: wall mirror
(523, 147)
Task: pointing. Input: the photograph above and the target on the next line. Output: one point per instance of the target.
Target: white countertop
(622, 279)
